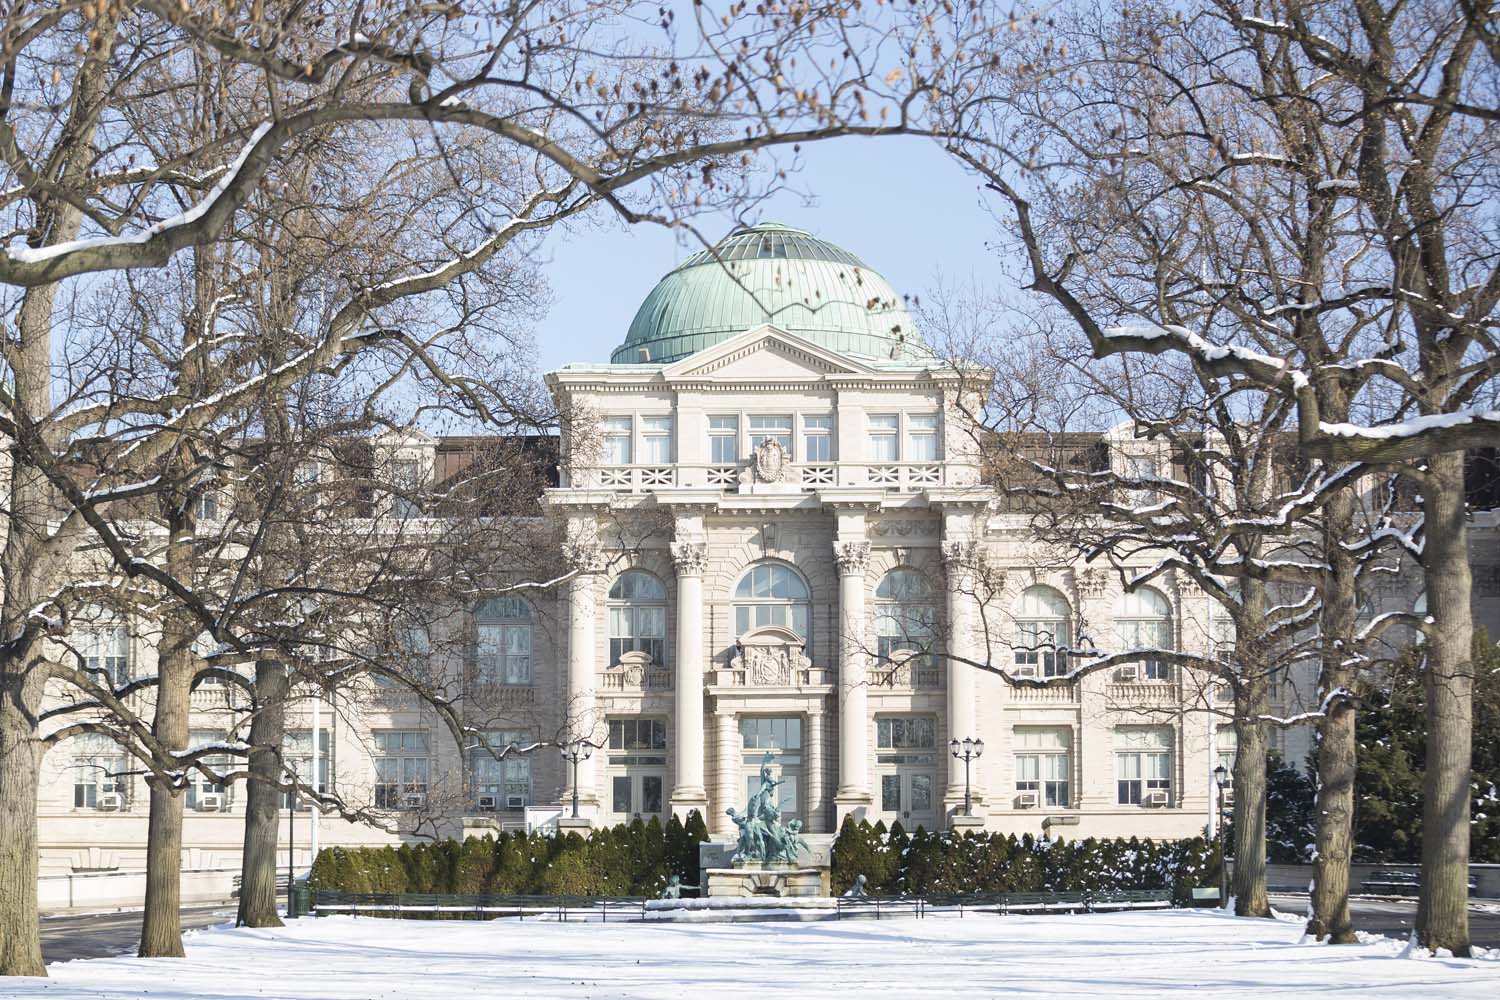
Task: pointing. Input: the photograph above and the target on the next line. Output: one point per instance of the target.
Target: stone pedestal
(580, 826)
(754, 880)
(961, 824)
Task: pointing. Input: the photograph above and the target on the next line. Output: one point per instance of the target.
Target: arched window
(771, 593)
(1143, 620)
(905, 615)
(1043, 625)
(503, 653)
(638, 616)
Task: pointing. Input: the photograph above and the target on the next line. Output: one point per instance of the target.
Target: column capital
(851, 557)
(582, 548)
(689, 558)
(959, 554)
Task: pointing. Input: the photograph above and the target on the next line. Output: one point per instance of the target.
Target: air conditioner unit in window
(1026, 800)
(1129, 672)
(211, 802)
(414, 800)
(1156, 797)
(487, 803)
(515, 802)
(110, 802)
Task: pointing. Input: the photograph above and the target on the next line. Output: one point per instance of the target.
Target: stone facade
(818, 573)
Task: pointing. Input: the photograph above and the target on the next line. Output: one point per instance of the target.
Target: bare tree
(1277, 193)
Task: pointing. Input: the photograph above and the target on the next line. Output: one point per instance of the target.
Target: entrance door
(636, 793)
(907, 795)
(782, 739)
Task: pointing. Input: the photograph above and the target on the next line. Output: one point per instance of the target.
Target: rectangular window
(638, 627)
(817, 439)
(723, 440)
(406, 482)
(1147, 633)
(637, 741)
(504, 654)
(656, 440)
(296, 756)
(504, 782)
(921, 437)
(1043, 766)
(1226, 747)
(400, 768)
(99, 779)
(778, 427)
(207, 507)
(883, 441)
(1143, 469)
(199, 784)
(905, 739)
(106, 649)
(617, 440)
(1036, 648)
(1143, 765)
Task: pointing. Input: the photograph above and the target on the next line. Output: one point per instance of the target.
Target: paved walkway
(105, 935)
(1396, 917)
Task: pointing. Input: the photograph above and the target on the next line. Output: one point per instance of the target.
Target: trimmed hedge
(632, 859)
(897, 863)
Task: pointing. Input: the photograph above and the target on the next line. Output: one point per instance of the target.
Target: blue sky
(900, 204)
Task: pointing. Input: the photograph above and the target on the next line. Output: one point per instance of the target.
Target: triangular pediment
(765, 352)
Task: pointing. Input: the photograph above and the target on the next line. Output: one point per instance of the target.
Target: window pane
(890, 792)
(921, 792)
(651, 794)
(620, 786)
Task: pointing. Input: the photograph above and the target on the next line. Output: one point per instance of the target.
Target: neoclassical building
(784, 543)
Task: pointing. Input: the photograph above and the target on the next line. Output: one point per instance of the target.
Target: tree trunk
(1443, 909)
(20, 763)
(1337, 749)
(262, 797)
(161, 925)
(1250, 796)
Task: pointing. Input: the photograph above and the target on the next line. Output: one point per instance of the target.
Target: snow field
(1199, 953)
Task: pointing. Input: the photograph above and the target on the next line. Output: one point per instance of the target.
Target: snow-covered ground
(1144, 954)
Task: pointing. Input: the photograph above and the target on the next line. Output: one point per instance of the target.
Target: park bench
(1398, 882)
(281, 881)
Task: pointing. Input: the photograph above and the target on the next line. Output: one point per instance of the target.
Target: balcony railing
(1060, 693)
(909, 676)
(629, 681)
(896, 476)
(635, 478)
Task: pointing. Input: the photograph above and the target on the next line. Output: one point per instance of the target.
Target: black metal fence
(438, 906)
(432, 906)
(1004, 903)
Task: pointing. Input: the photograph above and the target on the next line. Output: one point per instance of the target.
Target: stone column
(688, 792)
(963, 645)
(813, 745)
(729, 754)
(853, 795)
(583, 719)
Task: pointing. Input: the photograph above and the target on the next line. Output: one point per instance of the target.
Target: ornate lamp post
(967, 750)
(574, 752)
(1221, 778)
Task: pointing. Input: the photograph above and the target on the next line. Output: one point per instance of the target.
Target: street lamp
(573, 753)
(1221, 778)
(966, 750)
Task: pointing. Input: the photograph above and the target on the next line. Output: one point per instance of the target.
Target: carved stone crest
(771, 465)
(770, 658)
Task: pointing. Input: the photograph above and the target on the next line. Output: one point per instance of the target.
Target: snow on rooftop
(1162, 954)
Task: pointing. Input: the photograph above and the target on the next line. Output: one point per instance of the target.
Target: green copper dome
(772, 274)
